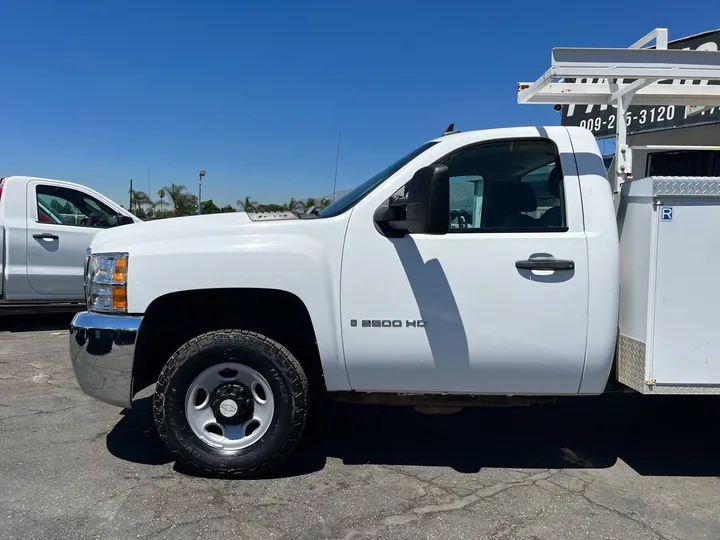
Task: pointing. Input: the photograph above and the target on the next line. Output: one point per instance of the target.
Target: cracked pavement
(615, 467)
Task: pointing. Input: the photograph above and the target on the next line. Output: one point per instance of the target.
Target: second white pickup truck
(488, 264)
(46, 227)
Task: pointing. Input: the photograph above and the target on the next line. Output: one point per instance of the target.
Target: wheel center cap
(228, 408)
(232, 403)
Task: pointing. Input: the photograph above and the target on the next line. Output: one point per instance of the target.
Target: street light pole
(200, 177)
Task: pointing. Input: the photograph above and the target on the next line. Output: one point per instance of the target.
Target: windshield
(352, 197)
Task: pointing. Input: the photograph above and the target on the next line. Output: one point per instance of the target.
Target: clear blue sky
(98, 92)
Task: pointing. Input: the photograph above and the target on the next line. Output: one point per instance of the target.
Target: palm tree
(293, 204)
(324, 202)
(176, 193)
(310, 201)
(161, 194)
(139, 198)
(247, 204)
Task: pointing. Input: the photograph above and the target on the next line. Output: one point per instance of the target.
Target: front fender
(299, 258)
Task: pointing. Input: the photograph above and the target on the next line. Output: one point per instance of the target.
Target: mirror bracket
(387, 222)
(398, 202)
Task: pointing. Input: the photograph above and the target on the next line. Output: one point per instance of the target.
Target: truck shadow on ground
(659, 436)
(35, 322)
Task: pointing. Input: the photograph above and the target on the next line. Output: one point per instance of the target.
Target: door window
(506, 186)
(66, 206)
(466, 196)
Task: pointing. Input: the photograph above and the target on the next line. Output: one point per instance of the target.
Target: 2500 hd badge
(388, 323)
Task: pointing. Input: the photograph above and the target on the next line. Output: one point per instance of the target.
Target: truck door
(61, 222)
(469, 312)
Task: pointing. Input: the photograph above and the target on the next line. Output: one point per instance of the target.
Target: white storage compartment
(670, 285)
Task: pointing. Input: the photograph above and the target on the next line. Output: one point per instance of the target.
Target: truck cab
(46, 226)
(481, 263)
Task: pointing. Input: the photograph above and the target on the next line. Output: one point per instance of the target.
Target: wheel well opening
(172, 320)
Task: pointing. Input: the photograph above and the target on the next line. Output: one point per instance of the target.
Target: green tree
(142, 205)
(247, 204)
(163, 214)
(139, 198)
(293, 204)
(177, 194)
(209, 207)
(185, 205)
(270, 207)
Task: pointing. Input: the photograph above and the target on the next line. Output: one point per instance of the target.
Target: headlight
(106, 282)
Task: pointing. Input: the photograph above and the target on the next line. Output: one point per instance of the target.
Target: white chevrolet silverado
(46, 226)
(492, 265)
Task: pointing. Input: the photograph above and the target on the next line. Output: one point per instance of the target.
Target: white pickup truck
(46, 227)
(483, 265)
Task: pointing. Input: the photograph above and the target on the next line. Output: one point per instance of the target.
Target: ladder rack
(645, 69)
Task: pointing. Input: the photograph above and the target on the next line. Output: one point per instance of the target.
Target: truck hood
(187, 229)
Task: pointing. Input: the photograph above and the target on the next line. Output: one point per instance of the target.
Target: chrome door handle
(545, 263)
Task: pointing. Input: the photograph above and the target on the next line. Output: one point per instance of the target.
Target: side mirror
(428, 202)
(425, 210)
(125, 220)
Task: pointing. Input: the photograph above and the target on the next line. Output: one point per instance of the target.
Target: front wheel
(231, 403)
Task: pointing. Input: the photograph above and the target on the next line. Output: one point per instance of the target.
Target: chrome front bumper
(102, 348)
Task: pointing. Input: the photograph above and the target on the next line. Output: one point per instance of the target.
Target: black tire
(285, 376)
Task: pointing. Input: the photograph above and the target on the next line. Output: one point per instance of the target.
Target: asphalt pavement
(625, 467)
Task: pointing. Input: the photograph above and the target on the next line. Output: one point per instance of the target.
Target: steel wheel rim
(222, 436)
